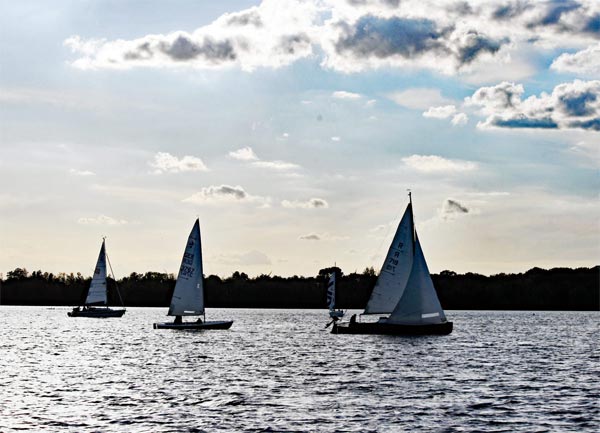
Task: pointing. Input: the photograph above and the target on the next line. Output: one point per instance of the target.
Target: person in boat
(199, 320)
(178, 320)
(353, 319)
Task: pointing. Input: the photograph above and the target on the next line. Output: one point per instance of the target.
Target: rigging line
(114, 278)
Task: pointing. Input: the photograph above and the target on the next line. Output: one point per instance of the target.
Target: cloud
(437, 164)
(585, 62)
(244, 154)
(276, 165)
(419, 98)
(76, 172)
(313, 203)
(341, 94)
(310, 237)
(573, 105)
(455, 37)
(273, 34)
(460, 119)
(442, 112)
(452, 208)
(165, 162)
(335, 138)
(224, 194)
(248, 155)
(101, 220)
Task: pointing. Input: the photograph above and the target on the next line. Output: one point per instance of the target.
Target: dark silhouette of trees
(536, 289)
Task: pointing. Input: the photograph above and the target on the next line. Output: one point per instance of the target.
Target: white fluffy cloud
(437, 164)
(460, 119)
(585, 62)
(573, 105)
(165, 162)
(244, 154)
(419, 98)
(248, 155)
(442, 112)
(313, 203)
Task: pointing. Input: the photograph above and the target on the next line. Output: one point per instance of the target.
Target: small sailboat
(96, 302)
(188, 296)
(334, 313)
(404, 290)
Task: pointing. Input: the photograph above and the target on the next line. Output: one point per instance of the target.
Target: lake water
(279, 370)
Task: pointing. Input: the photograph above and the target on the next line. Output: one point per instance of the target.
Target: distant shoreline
(557, 289)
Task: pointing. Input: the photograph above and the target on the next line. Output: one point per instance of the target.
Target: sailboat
(96, 302)
(334, 313)
(188, 296)
(404, 290)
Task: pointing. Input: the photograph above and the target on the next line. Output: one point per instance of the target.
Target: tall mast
(412, 220)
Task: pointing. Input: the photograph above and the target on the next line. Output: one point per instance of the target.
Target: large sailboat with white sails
(188, 296)
(404, 291)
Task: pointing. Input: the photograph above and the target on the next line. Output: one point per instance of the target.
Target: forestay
(419, 304)
(97, 292)
(188, 297)
(395, 270)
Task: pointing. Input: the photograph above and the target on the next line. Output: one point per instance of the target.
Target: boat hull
(96, 312)
(217, 324)
(391, 329)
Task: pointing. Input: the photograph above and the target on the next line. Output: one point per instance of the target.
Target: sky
(294, 129)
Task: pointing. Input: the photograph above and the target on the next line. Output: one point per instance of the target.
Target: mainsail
(395, 270)
(188, 297)
(419, 304)
(331, 291)
(97, 292)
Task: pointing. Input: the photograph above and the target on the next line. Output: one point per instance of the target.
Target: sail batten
(395, 270)
(188, 296)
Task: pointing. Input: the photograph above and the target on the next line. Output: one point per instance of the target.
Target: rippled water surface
(279, 370)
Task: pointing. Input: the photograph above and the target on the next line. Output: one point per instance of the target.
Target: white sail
(188, 296)
(395, 270)
(331, 291)
(97, 292)
(419, 304)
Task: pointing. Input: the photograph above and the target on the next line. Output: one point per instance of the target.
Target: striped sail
(395, 270)
(188, 296)
(419, 304)
(97, 291)
(331, 291)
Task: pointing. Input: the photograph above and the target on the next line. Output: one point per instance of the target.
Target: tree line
(536, 289)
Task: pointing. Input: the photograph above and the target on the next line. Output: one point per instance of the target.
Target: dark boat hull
(391, 329)
(217, 324)
(96, 312)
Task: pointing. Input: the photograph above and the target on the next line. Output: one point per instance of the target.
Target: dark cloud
(235, 191)
(318, 202)
(592, 124)
(452, 208)
(555, 10)
(578, 104)
(184, 48)
(522, 121)
(593, 25)
(291, 44)
(510, 10)
(381, 37)
(251, 17)
(476, 44)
